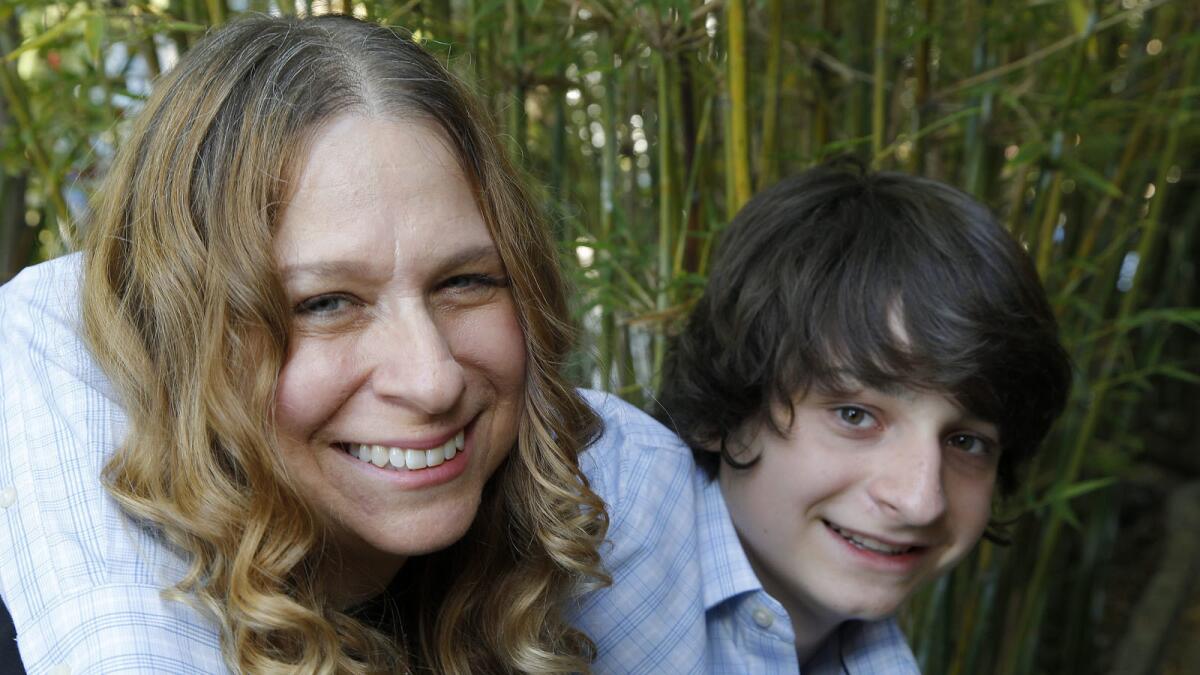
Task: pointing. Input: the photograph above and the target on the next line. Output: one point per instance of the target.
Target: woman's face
(402, 388)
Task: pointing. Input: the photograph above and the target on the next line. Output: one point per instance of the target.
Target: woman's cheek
(317, 376)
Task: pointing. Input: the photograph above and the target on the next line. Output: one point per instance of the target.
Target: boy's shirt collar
(725, 569)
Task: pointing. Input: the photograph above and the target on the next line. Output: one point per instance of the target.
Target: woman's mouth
(405, 459)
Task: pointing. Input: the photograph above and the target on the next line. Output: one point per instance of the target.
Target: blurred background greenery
(647, 123)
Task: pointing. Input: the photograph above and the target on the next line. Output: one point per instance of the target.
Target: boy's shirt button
(7, 497)
(763, 617)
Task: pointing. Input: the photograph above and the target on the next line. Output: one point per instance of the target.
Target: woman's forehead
(377, 189)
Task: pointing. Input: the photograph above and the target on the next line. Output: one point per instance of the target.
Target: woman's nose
(909, 484)
(414, 363)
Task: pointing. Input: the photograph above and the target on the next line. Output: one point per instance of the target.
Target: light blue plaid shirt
(83, 585)
(684, 598)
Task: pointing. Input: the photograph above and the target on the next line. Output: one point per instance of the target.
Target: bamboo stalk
(878, 87)
(608, 179)
(516, 108)
(666, 209)
(921, 97)
(767, 154)
(216, 12)
(739, 119)
(820, 107)
(1045, 246)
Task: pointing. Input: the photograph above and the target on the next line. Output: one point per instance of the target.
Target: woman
(334, 321)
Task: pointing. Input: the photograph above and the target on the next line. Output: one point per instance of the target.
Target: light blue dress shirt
(84, 584)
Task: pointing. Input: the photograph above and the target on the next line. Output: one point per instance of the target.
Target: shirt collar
(726, 570)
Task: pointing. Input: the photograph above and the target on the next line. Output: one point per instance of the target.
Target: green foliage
(1074, 120)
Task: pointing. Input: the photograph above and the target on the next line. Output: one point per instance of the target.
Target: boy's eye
(969, 443)
(855, 416)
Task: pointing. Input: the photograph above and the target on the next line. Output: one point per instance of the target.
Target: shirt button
(763, 618)
(60, 669)
(7, 497)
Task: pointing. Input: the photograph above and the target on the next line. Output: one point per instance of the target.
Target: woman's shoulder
(44, 284)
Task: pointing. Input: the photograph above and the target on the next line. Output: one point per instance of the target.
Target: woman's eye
(467, 282)
(855, 417)
(323, 304)
(970, 443)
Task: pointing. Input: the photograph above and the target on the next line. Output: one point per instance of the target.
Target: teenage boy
(873, 354)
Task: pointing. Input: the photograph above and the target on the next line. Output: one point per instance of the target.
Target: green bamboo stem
(666, 208)
(516, 108)
(739, 118)
(699, 161)
(1045, 246)
(608, 179)
(975, 141)
(921, 97)
(767, 154)
(216, 12)
(878, 87)
(821, 94)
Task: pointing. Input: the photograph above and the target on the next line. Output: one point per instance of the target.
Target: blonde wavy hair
(184, 311)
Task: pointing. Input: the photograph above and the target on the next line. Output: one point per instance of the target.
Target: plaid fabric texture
(82, 583)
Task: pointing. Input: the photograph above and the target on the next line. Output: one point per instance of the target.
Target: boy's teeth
(403, 459)
(870, 544)
(379, 456)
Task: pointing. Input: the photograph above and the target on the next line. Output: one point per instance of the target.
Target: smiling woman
(334, 320)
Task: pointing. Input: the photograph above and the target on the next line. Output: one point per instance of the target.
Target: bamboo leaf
(53, 34)
(94, 30)
(1089, 176)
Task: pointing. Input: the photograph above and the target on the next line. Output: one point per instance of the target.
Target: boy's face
(864, 498)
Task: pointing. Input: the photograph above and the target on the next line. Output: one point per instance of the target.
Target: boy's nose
(414, 365)
(909, 487)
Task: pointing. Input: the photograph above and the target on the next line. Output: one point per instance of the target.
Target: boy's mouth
(869, 543)
(405, 459)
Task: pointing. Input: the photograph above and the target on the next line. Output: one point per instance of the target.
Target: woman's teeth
(406, 458)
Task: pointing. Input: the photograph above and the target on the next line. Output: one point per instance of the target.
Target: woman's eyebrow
(481, 253)
(322, 268)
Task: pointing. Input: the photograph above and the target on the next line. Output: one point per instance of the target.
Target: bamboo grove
(649, 122)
